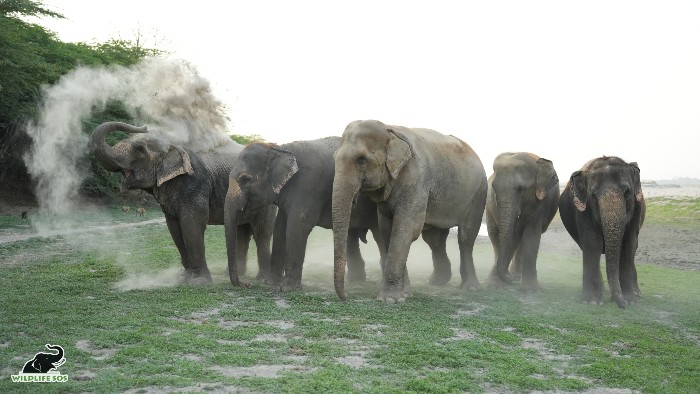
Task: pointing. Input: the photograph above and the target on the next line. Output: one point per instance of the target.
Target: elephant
(190, 188)
(423, 182)
(44, 362)
(298, 178)
(522, 200)
(603, 208)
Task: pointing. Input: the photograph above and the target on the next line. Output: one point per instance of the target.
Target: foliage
(247, 139)
(30, 58)
(222, 339)
(683, 211)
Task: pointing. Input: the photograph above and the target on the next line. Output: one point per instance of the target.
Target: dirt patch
(473, 308)
(261, 371)
(211, 388)
(95, 353)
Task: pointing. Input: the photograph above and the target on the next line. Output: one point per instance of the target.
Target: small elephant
(190, 188)
(298, 178)
(44, 362)
(126, 209)
(603, 208)
(522, 200)
(141, 211)
(423, 182)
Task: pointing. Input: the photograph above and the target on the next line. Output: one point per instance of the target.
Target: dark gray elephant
(602, 208)
(298, 178)
(423, 182)
(190, 188)
(44, 362)
(522, 200)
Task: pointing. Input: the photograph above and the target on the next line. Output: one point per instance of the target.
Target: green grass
(684, 211)
(66, 291)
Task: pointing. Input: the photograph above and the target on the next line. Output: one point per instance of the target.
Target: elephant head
(520, 182)
(609, 189)
(44, 362)
(256, 180)
(370, 158)
(145, 161)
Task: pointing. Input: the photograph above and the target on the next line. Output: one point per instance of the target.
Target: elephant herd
(394, 182)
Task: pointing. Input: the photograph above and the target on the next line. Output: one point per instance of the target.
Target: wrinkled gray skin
(423, 182)
(522, 200)
(44, 362)
(298, 178)
(190, 188)
(602, 208)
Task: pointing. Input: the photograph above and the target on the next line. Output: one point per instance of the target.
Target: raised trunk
(104, 153)
(507, 216)
(344, 191)
(234, 204)
(56, 358)
(613, 220)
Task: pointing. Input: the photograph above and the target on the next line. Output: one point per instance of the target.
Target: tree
(247, 139)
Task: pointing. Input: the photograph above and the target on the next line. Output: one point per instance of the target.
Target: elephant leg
(356, 264)
(526, 257)
(436, 238)
(628, 270)
(193, 225)
(405, 227)
(243, 242)
(297, 237)
(279, 247)
(516, 265)
(466, 236)
(262, 229)
(176, 233)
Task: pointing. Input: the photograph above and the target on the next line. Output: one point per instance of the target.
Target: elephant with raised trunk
(298, 178)
(44, 362)
(522, 200)
(190, 188)
(602, 208)
(423, 182)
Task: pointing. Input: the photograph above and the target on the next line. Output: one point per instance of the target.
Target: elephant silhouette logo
(43, 367)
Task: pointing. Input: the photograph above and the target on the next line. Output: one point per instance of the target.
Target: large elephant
(602, 208)
(522, 200)
(298, 178)
(423, 182)
(44, 362)
(190, 188)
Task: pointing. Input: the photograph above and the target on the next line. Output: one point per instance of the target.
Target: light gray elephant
(522, 200)
(298, 178)
(423, 182)
(603, 208)
(190, 188)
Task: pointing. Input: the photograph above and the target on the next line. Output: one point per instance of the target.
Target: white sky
(566, 80)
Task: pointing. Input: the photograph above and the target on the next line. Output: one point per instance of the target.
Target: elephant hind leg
(466, 238)
(436, 238)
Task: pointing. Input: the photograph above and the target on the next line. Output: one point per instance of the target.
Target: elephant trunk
(344, 190)
(507, 216)
(613, 218)
(105, 154)
(235, 202)
(55, 358)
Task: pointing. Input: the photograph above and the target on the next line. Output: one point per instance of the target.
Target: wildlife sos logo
(43, 367)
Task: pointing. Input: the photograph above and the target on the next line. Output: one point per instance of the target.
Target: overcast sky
(566, 80)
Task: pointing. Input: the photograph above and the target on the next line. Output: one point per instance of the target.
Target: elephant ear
(546, 178)
(176, 162)
(283, 166)
(637, 181)
(578, 190)
(398, 152)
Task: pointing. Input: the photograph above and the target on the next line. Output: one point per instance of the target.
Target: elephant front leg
(628, 270)
(279, 247)
(404, 229)
(263, 228)
(176, 233)
(592, 278)
(356, 264)
(466, 238)
(297, 237)
(526, 257)
(193, 226)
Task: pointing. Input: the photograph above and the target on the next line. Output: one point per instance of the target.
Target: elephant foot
(191, 277)
(470, 284)
(530, 286)
(516, 277)
(440, 278)
(199, 281)
(592, 299)
(495, 282)
(393, 295)
(290, 285)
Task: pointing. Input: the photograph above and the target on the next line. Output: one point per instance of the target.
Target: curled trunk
(613, 221)
(104, 153)
(343, 194)
(56, 358)
(232, 207)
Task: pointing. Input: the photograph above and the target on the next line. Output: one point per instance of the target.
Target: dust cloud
(167, 95)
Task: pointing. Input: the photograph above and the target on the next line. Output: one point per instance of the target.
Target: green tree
(247, 139)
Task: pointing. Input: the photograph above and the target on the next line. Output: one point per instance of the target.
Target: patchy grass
(66, 291)
(679, 211)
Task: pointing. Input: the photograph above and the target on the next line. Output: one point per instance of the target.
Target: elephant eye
(627, 192)
(362, 160)
(245, 180)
